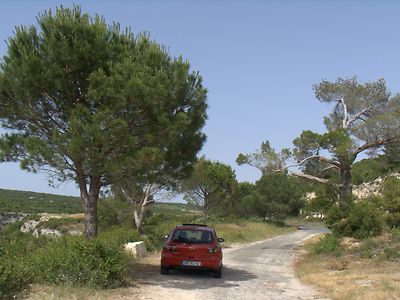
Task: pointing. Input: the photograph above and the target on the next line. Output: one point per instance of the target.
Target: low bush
(363, 220)
(77, 261)
(368, 249)
(117, 236)
(16, 270)
(25, 259)
(391, 253)
(334, 215)
(14, 278)
(329, 243)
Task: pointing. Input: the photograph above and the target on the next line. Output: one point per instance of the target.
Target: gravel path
(261, 270)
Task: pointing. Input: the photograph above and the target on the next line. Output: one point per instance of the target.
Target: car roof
(194, 226)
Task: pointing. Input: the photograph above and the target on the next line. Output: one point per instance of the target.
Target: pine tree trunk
(90, 216)
(346, 187)
(90, 200)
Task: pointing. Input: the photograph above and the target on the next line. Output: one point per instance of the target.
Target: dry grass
(249, 231)
(43, 292)
(349, 276)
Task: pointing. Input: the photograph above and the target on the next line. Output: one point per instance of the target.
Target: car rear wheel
(218, 273)
(164, 270)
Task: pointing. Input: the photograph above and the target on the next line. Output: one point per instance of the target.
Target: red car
(192, 246)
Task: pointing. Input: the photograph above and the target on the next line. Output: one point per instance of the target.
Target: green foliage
(368, 248)
(391, 201)
(210, 185)
(113, 212)
(392, 156)
(277, 196)
(391, 253)
(329, 243)
(14, 278)
(100, 262)
(367, 170)
(16, 268)
(31, 202)
(240, 201)
(326, 196)
(334, 215)
(266, 159)
(77, 261)
(363, 220)
(116, 236)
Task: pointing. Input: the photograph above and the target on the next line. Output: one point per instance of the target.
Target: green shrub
(363, 221)
(16, 270)
(395, 234)
(368, 249)
(329, 243)
(334, 215)
(113, 212)
(390, 253)
(14, 277)
(77, 261)
(116, 236)
(391, 201)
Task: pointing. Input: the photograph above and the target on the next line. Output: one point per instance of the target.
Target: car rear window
(192, 236)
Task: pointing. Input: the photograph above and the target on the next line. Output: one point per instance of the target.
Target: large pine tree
(83, 100)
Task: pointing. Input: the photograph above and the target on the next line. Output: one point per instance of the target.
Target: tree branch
(346, 114)
(328, 168)
(358, 116)
(321, 158)
(314, 178)
(375, 144)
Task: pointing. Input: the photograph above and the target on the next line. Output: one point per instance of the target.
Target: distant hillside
(31, 202)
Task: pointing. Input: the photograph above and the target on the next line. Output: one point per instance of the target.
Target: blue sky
(259, 60)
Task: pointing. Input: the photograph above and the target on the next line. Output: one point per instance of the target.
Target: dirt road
(261, 270)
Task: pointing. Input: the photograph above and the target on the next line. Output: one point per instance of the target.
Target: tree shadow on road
(149, 274)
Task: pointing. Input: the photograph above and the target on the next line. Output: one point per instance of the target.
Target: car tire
(218, 273)
(164, 270)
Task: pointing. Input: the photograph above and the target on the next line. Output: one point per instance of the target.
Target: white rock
(136, 249)
(29, 226)
(50, 232)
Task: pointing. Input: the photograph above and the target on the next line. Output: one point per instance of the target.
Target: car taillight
(169, 248)
(214, 250)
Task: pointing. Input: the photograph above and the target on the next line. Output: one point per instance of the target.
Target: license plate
(191, 263)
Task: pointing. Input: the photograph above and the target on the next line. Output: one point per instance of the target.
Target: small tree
(277, 195)
(209, 184)
(85, 101)
(391, 201)
(141, 195)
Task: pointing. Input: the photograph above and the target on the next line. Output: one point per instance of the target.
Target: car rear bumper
(212, 263)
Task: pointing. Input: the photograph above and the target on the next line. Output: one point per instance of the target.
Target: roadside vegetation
(345, 268)
(75, 264)
(360, 258)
